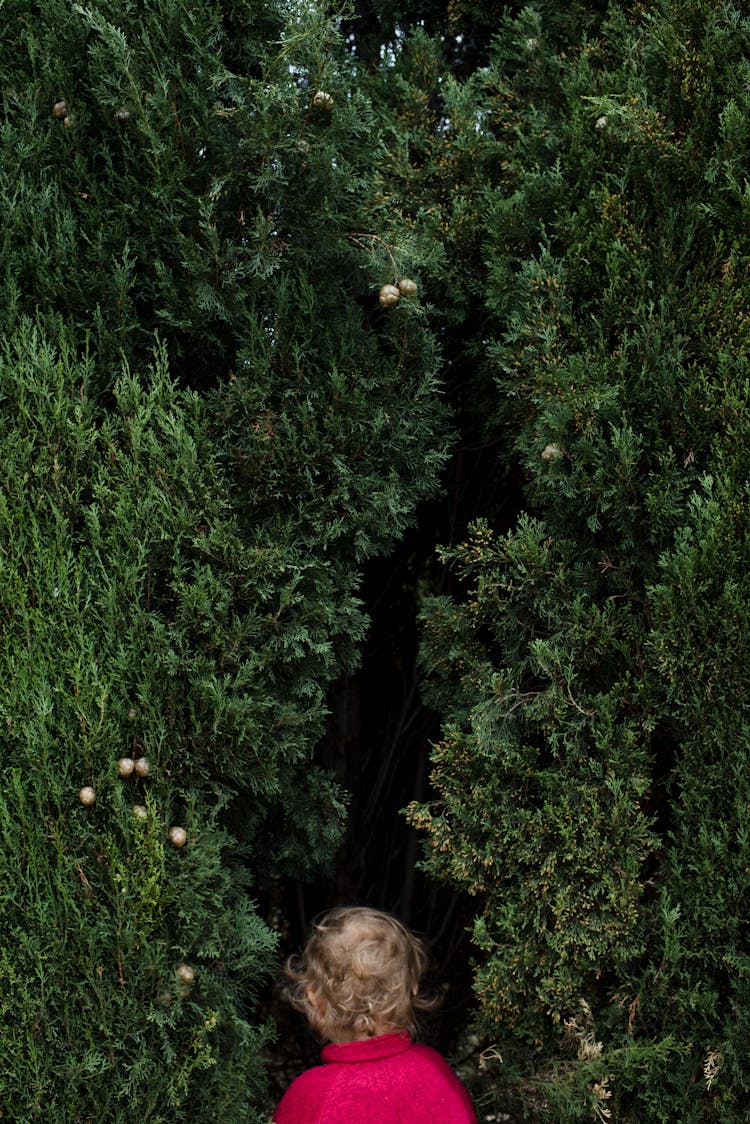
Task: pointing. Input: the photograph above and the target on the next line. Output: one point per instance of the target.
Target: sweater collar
(367, 1049)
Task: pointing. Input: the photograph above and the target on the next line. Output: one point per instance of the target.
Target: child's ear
(317, 1002)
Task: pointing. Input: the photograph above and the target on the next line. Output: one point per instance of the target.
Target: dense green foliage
(593, 771)
(208, 424)
(104, 566)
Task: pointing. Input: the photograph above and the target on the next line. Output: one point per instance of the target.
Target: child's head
(359, 975)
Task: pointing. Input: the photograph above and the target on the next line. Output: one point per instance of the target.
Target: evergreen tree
(209, 424)
(591, 780)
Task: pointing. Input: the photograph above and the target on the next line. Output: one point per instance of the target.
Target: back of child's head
(359, 975)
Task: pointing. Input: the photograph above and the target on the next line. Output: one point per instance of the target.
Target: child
(358, 983)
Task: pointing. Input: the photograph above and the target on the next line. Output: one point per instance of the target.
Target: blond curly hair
(359, 975)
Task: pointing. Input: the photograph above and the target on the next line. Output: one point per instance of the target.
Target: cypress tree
(591, 779)
(209, 423)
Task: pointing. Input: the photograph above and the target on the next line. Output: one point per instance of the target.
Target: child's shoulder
(304, 1097)
(429, 1055)
(435, 1078)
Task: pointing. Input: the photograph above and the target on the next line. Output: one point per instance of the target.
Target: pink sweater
(383, 1080)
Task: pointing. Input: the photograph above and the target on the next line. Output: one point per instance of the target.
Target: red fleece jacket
(383, 1080)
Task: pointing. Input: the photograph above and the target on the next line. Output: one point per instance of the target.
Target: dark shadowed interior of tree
(378, 744)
